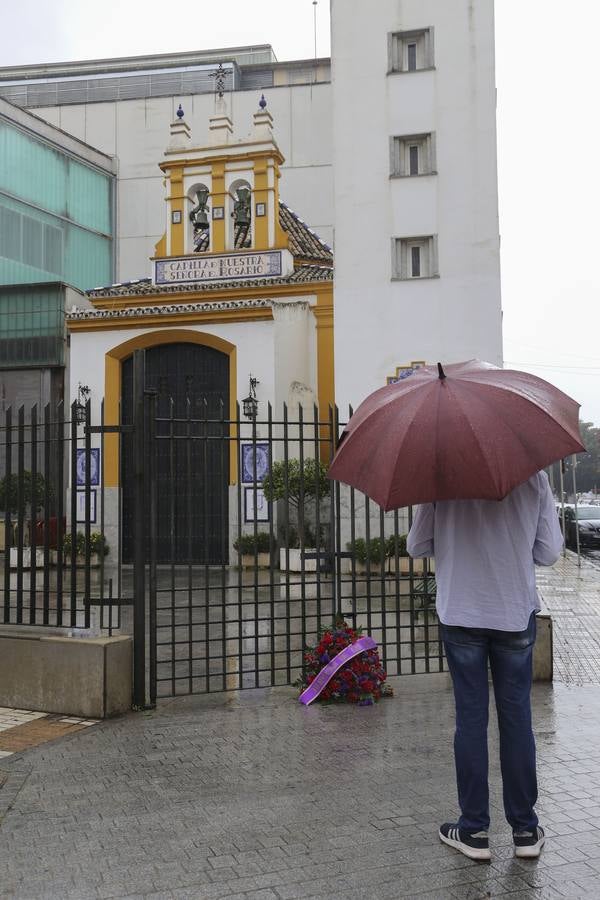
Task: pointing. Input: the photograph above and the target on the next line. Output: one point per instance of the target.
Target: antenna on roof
(314, 3)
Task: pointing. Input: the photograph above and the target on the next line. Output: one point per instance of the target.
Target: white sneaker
(529, 843)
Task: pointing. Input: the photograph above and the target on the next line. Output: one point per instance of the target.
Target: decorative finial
(219, 75)
(180, 113)
(262, 102)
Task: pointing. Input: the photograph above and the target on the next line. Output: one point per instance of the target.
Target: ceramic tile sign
(94, 466)
(81, 507)
(256, 507)
(223, 267)
(255, 462)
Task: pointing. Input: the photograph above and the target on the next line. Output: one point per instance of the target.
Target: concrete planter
(420, 566)
(27, 557)
(80, 560)
(295, 560)
(260, 561)
(73, 676)
(403, 565)
(374, 570)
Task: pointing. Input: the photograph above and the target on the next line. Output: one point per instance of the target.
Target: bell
(199, 214)
(242, 207)
(202, 197)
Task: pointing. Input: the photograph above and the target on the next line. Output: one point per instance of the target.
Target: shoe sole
(531, 852)
(472, 852)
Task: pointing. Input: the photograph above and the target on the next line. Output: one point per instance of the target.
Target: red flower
(354, 682)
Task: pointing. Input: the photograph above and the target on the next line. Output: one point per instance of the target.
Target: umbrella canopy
(471, 431)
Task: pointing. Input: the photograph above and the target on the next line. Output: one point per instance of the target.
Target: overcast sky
(548, 131)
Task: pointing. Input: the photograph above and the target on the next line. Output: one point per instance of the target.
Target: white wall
(381, 323)
(137, 132)
(270, 351)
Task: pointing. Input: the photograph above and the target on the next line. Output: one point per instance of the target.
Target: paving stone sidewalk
(252, 796)
(21, 729)
(571, 593)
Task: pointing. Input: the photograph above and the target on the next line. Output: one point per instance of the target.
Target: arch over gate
(195, 393)
(112, 387)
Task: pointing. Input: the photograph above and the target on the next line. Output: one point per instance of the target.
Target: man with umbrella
(469, 445)
(485, 552)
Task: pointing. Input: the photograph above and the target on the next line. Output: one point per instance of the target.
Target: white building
(241, 296)
(123, 107)
(406, 130)
(416, 214)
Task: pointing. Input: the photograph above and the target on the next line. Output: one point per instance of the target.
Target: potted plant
(301, 486)
(33, 492)
(98, 548)
(370, 556)
(254, 550)
(399, 559)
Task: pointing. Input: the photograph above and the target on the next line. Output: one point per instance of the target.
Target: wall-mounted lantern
(250, 403)
(83, 395)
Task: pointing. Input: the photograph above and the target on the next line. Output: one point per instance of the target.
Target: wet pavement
(592, 555)
(250, 795)
(571, 593)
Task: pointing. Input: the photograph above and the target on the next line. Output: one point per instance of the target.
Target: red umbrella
(473, 431)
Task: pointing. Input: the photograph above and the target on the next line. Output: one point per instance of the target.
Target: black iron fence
(52, 530)
(240, 549)
(296, 552)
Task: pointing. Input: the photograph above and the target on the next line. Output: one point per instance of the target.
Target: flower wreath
(360, 680)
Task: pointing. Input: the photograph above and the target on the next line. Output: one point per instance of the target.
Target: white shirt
(485, 551)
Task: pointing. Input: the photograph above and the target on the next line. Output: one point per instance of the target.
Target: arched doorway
(191, 450)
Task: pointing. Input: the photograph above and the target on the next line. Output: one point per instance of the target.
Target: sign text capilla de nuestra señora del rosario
(218, 268)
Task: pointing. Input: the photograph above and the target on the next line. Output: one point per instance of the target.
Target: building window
(410, 51)
(413, 155)
(413, 159)
(415, 261)
(411, 55)
(30, 241)
(415, 257)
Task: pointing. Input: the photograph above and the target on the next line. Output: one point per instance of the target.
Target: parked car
(588, 519)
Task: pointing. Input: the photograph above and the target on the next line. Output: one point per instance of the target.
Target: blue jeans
(510, 656)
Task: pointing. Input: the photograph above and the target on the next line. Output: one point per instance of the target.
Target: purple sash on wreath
(326, 674)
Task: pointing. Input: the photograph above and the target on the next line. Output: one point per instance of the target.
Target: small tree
(297, 484)
(33, 492)
(396, 545)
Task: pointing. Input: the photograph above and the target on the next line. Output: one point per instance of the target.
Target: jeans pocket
(516, 641)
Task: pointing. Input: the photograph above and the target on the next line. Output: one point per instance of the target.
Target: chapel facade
(240, 304)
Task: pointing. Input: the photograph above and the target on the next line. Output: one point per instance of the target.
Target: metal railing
(242, 549)
(52, 522)
(296, 552)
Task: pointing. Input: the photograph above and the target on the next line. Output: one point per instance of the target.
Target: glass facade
(55, 215)
(32, 326)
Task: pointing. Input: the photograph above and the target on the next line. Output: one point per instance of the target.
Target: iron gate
(241, 548)
(303, 551)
